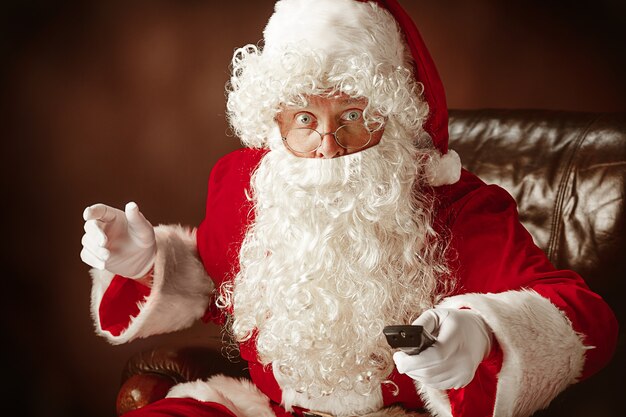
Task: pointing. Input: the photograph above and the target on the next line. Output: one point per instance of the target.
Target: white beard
(338, 249)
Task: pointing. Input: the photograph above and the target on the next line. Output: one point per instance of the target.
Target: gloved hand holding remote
(463, 341)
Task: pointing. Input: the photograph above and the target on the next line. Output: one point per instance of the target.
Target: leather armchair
(566, 170)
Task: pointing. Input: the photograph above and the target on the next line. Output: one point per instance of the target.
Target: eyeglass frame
(322, 135)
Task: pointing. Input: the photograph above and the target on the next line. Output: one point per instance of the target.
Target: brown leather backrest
(567, 171)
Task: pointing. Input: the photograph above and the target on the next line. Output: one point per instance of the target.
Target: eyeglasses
(349, 136)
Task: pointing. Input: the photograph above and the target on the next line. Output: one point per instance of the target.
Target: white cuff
(542, 354)
(179, 294)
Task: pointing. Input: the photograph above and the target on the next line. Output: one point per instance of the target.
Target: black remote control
(408, 338)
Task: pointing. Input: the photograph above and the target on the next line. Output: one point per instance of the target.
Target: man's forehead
(338, 99)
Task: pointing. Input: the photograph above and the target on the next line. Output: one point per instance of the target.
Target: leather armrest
(148, 375)
(140, 390)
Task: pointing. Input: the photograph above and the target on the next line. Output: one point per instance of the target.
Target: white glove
(463, 341)
(118, 241)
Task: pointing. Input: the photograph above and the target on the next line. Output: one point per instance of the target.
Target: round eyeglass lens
(353, 136)
(303, 139)
(350, 136)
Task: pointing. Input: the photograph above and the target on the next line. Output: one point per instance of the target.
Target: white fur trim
(395, 412)
(334, 28)
(180, 289)
(238, 395)
(436, 401)
(444, 169)
(542, 354)
(339, 404)
(244, 399)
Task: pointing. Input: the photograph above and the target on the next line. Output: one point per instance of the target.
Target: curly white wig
(362, 55)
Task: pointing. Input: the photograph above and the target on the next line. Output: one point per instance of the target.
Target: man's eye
(352, 115)
(304, 119)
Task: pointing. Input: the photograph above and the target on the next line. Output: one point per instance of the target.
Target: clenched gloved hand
(463, 341)
(121, 242)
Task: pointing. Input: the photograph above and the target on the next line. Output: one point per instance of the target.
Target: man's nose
(329, 148)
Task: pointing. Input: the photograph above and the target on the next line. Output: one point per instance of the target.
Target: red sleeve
(492, 252)
(120, 304)
(495, 253)
(218, 239)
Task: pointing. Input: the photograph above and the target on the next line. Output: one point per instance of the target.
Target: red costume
(550, 329)
(542, 318)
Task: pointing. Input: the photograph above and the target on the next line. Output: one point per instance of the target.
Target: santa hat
(340, 28)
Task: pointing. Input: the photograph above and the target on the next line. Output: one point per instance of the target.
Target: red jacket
(550, 329)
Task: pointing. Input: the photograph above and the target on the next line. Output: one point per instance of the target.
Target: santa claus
(344, 213)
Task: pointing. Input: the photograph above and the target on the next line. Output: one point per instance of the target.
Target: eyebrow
(353, 100)
(344, 102)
